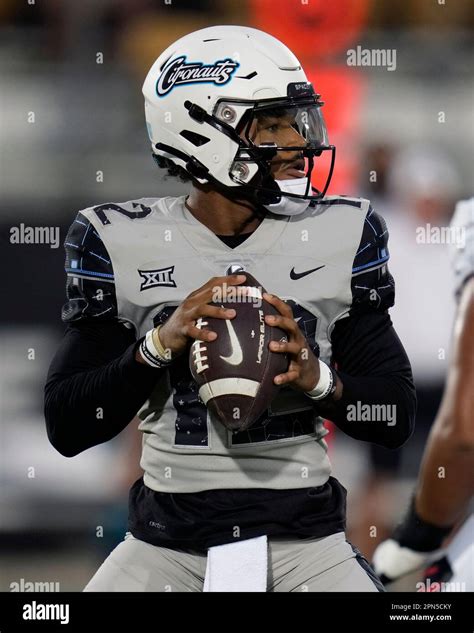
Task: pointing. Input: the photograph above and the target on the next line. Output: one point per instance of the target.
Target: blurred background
(72, 134)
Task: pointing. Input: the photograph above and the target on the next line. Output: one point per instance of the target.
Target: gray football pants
(313, 564)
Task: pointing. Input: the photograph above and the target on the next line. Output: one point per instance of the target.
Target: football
(235, 372)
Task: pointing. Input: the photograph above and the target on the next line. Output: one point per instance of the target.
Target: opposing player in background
(446, 481)
(231, 110)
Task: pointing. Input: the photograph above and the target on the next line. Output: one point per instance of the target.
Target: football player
(231, 110)
(445, 485)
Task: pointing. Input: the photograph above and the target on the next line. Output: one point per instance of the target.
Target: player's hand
(303, 370)
(391, 560)
(414, 543)
(180, 328)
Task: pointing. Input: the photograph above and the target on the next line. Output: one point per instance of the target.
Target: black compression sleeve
(374, 370)
(95, 386)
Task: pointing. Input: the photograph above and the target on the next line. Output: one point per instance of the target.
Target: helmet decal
(179, 72)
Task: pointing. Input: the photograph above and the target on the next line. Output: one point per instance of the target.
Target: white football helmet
(203, 96)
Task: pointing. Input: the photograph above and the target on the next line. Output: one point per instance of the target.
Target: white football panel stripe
(227, 386)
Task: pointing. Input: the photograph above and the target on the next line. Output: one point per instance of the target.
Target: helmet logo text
(178, 72)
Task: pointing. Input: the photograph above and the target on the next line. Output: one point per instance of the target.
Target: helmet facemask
(280, 140)
(268, 134)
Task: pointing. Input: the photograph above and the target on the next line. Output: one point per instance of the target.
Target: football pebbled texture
(235, 372)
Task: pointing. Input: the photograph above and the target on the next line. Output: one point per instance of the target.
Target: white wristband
(324, 385)
(150, 354)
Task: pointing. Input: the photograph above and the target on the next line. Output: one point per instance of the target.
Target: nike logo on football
(295, 276)
(236, 355)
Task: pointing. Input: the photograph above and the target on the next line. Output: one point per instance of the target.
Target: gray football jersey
(147, 255)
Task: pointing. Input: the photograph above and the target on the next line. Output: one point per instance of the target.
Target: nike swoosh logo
(295, 276)
(236, 355)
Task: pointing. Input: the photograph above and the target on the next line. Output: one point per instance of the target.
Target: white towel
(240, 566)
